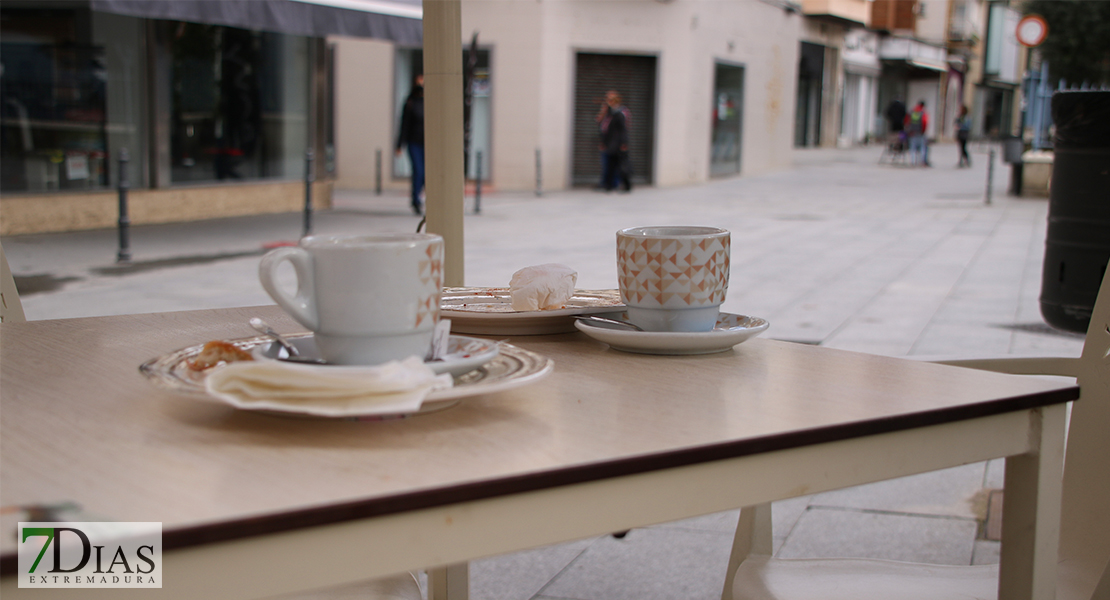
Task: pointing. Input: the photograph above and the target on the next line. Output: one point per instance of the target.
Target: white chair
(11, 309)
(1083, 572)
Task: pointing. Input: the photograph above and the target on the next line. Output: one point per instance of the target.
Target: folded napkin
(330, 391)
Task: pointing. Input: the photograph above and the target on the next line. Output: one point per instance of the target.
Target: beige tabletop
(79, 424)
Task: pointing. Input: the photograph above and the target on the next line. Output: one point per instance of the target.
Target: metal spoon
(261, 327)
(631, 326)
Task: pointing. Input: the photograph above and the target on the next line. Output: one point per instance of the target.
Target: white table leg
(753, 536)
(1031, 513)
(449, 583)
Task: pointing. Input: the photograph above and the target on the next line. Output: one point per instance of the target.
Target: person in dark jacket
(896, 115)
(613, 124)
(412, 137)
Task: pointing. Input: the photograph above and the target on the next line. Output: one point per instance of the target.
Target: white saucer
(730, 330)
(464, 354)
(509, 367)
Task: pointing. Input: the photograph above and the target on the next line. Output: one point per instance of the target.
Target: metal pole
(478, 183)
(124, 254)
(990, 176)
(378, 172)
(309, 177)
(539, 174)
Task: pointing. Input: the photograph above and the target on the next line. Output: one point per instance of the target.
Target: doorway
(633, 77)
(807, 115)
(728, 111)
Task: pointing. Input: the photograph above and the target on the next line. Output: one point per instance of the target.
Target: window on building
(239, 107)
(53, 102)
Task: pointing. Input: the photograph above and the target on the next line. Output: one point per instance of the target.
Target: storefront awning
(913, 53)
(929, 66)
(395, 20)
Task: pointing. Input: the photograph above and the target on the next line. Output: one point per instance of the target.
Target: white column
(443, 131)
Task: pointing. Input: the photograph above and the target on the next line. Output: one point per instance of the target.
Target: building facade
(215, 107)
(218, 104)
(710, 86)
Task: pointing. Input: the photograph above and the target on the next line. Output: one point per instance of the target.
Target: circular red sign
(1032, 30)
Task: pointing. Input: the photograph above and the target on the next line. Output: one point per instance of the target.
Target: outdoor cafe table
(255, 505)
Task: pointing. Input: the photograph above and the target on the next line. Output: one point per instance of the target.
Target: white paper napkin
(330, 391)
(542, 287)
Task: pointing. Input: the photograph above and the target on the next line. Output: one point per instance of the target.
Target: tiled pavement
(837, 251)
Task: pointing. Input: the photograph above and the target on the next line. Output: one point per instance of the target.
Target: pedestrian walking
(963, 130)
(916, 124)
(412, 137)
(613, 123)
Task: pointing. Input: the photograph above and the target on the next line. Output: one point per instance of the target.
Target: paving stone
(832, 533)
(520, 575)
(648, 564)
(949, 492)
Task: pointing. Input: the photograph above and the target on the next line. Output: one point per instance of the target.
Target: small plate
(489, 311)
(730, 330)
(464, 354)
(510, 367)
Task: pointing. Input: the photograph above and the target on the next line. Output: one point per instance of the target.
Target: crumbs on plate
(217, 352)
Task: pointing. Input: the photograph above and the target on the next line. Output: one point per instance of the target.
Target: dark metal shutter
(634, 78)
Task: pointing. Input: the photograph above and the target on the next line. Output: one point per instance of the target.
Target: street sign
(1032, 30)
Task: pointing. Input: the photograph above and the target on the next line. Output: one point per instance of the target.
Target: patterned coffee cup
(673, 278)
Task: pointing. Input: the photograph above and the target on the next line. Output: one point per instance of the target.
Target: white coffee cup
(673, 278)
(368, 299)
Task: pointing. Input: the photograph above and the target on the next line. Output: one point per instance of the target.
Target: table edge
(482, 490)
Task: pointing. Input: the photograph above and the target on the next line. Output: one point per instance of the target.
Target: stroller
(897, 150)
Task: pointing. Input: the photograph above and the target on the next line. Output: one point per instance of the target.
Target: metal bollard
(478, 184)
(539, 174)
(124, 254)
(990, 176)
(309, 177)
(378, 172)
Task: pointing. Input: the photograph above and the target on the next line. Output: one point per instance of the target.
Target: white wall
(932, 26)
(363, 112)
(687, 37)
(513, 33)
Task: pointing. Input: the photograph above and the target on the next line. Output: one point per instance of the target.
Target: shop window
(239, 103)
(53, 107)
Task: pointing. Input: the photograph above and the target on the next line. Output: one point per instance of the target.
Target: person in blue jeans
(917, 123)
(412, 137)
(963, 131)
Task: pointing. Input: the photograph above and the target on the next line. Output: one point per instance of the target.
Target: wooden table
(254, 505)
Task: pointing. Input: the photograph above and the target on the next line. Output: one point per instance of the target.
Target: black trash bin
(1077, 247)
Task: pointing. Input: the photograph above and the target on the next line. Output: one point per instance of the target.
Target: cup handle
(302, 305)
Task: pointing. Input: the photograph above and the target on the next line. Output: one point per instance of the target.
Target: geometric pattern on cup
(673, 273)
(431, 278)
